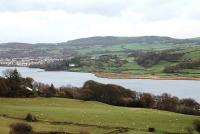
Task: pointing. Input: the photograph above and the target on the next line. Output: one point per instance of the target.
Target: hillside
(144, 55)
(105, 41)
(91, 45)
(98, 118)
(112, 40)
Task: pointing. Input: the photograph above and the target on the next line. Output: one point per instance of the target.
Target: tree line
(13, 85)
(148, 59)
(182, 65)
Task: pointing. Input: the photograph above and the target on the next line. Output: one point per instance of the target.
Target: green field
(124, 47)
(95, 117)
(128, 49)
(123, 51)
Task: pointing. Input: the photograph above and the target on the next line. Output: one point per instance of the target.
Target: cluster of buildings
(27, 61)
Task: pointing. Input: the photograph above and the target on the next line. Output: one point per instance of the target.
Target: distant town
(27, 61)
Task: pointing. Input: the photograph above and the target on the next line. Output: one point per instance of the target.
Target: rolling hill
(112, 40)
(107, 41)
(57, 114)
(126, 50)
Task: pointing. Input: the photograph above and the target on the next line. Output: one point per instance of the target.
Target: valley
(162, 57)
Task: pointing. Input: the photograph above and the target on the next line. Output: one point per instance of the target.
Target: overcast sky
(61, 20)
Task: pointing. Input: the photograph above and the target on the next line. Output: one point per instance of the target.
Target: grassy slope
(93, 113)
(123, 47)
(191, 52)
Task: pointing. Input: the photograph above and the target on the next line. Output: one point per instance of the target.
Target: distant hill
(25, 45)
(112, 40)
(95, 45)
(196, 39)
(107, 40)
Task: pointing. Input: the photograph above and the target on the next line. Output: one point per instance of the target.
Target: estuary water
(179, 88)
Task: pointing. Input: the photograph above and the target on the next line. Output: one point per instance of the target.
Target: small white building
(72, 65)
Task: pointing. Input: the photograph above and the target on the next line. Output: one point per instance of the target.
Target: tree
(107, 93)
(15, 84)
(190, 103)
(12, 74)
(28, 82)
(14, 79)
(167, 102)
(147, 100)
(52, 90)
(4, 89)
(48, 91)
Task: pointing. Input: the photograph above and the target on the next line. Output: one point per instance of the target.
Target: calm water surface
(180, 88)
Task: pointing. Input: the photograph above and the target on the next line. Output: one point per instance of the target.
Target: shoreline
(145, 76)
(126, 75)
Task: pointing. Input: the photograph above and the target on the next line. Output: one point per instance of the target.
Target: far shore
(145, 76)
(111, 75)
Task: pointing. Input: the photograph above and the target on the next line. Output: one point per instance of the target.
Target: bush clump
(30, 118)
(152, 129)
(20, 128)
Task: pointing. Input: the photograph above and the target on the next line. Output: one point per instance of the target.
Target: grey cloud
(103, 7)
(151, 10)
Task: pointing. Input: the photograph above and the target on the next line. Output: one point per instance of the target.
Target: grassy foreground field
(57, 114)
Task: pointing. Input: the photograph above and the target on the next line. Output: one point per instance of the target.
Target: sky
(35, 21)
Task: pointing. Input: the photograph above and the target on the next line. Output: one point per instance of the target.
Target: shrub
(152, 129)
(196, 124)
(20, 128)
(30, 117)
(107, 93)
